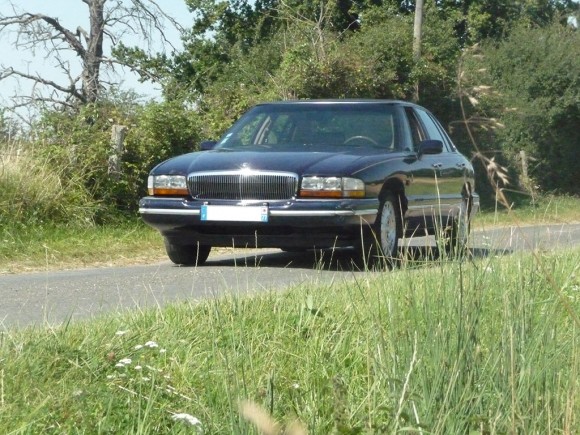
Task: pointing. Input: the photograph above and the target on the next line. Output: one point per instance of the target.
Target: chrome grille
(242, 185)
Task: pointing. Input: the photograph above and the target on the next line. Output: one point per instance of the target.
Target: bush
(34, 191)
(77, 145)
(536, 75)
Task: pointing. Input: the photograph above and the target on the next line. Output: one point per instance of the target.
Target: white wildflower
(190, 419)
(151, 344)
(139, 346)
(295, 386)
(121, 332)
(119, 365)
(162, 350)
(124, 361)
(138, 367)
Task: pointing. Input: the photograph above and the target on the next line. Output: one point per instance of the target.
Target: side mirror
(430, 146)
(207, 145)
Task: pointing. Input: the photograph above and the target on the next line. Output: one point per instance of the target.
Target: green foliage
(80, 145)
(478, 20)
(535, 94)
(220, 31)
(157, 132)
(150, 68)
(35, 191)
(488, 347)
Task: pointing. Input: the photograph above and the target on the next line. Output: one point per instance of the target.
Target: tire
(187, 255)
(456, 243)
(383, 242)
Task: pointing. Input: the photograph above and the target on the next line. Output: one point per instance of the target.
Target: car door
(436, 179)
(448, 167)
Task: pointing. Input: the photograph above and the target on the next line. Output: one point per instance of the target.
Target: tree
(235, 28)
(523, 94)
(107, 20)
(537, 74)
(477, 20)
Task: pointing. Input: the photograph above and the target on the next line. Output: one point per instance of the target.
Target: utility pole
(417, 31)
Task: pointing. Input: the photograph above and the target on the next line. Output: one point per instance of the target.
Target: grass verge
(47, 247)
(545, 210)
(474, 347)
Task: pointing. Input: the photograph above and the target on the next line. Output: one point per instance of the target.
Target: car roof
(337, 101)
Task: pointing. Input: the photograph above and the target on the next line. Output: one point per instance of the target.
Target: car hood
(301, 162)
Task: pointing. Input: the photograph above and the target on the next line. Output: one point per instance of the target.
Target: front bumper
(293, 223)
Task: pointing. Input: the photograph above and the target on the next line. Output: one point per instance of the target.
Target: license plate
(234, 213)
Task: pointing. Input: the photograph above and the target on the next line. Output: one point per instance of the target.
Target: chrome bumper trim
(305, 213)
(169, 211)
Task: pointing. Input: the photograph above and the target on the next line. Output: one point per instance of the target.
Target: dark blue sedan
(315, 174)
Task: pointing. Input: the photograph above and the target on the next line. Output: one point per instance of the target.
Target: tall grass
(34, 191)
(481, 347)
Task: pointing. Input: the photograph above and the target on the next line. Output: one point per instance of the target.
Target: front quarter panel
(176, 166)
(378, 172)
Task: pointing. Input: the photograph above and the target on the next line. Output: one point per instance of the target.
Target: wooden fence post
(118, 133)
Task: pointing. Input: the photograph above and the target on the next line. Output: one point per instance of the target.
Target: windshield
(287, 126)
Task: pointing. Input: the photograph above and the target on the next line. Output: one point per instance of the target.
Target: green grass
(39, 247)
(489, 346)
(546, 209)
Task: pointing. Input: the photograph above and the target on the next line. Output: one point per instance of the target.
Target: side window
(448, 140)
(250, 133)
(417, 134)
(432, 129)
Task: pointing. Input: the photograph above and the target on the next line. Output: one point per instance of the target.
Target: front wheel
(187, 255)
(459, 234)
(383, 242)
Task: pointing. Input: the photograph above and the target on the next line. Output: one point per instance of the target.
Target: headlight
(333, 187)
(167, 185)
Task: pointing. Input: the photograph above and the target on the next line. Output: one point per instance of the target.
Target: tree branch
(37, 31)
(26, 20)
(70, 90)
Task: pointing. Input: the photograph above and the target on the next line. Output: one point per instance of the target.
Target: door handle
(437, 165)
(460, 165)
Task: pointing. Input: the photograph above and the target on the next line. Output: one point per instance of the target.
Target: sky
(71, 14)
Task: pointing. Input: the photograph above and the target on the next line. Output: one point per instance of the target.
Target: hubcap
(388, 229)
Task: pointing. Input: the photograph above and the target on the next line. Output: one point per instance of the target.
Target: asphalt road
(50, 298)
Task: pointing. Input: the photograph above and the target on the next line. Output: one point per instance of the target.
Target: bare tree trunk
(94, 54)
(417, 33)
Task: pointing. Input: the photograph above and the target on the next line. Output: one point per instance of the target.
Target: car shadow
(340, 259)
